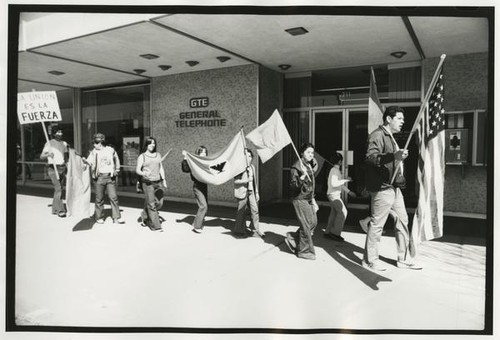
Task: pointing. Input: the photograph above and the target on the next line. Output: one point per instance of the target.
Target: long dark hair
(148, 141)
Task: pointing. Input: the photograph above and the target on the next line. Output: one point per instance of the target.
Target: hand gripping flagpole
(422, 110)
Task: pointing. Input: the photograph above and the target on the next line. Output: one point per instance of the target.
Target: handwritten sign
(34, 107)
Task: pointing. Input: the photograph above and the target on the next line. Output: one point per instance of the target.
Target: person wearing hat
(153, 181)
(105, 166)
(55, 151)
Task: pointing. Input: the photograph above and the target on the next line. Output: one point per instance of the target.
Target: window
(122, 114)
(466, 137)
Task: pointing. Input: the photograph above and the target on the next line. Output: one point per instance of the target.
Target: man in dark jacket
(383, 159)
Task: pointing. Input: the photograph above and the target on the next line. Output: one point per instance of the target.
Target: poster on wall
(131, 150)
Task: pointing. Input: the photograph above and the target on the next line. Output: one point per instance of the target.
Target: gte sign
(198, 102)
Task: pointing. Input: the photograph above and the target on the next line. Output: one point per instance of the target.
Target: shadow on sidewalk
(349, 256)
(84, 224)
(209, 222)
(88, 223)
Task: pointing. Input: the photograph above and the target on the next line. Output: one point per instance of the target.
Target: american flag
(428, 220)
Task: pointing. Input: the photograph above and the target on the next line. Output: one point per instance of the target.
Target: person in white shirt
(105, 166)
(338, 212)
(55, 151)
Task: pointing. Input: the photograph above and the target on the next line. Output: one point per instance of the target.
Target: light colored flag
(222, 166)
(428, 220)
(270, 137)
(375, 109)
(77, 186)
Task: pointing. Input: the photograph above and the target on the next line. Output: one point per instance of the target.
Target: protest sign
(35, 107)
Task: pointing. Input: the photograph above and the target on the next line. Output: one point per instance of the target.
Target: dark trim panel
(413, 36)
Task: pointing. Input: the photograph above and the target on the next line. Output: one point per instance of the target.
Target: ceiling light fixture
(139, 70)
(192, 63)
(398, 54)
(223, 59)
(56, 73)
(165, 67)
(284, 67)
(297, 31)
(149, 56)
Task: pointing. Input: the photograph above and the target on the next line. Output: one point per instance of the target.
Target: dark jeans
(308, 221)
(57, 203)
(151, 204)
(249, 201)
(108, 184)
(201, 198)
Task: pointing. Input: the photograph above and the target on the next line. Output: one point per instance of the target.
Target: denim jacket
(380, 162)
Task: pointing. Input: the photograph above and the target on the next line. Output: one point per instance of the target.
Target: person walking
(55, 151)
(154, 184)
(302, 186)
(247, 194)
(200, 191)
(338, 212)
(105, 166)
(383, 159)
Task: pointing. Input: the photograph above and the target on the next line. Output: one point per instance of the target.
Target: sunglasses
(97, 142)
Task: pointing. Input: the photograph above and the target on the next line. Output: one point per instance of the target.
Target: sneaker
(334, 237)
(197, 231)
(100, 221)
(62, 214)
(364, 224)
(259, 234)
(289, 245)
(307, 256)
(119, 221)
(407, 265)
(375, 266)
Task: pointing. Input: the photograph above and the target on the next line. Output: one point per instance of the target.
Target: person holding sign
(105, 166)
(56, 153)
(153, 181)
(302, 190)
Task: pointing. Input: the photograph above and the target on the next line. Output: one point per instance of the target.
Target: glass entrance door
(328, 138)
(357, 133)
(344, 131)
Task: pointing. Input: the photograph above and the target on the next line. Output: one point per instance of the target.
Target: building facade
(325, 106)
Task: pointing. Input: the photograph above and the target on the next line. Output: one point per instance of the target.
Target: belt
(105, 174)
(148, 182)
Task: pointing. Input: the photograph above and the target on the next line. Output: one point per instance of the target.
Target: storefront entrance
(345, 130)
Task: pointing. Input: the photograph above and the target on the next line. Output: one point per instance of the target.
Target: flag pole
(47, 138)
(165, 155)
(422, 110)
(300, 159)
(244, 145)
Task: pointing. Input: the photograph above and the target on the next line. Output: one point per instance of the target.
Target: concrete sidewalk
(71, 272)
